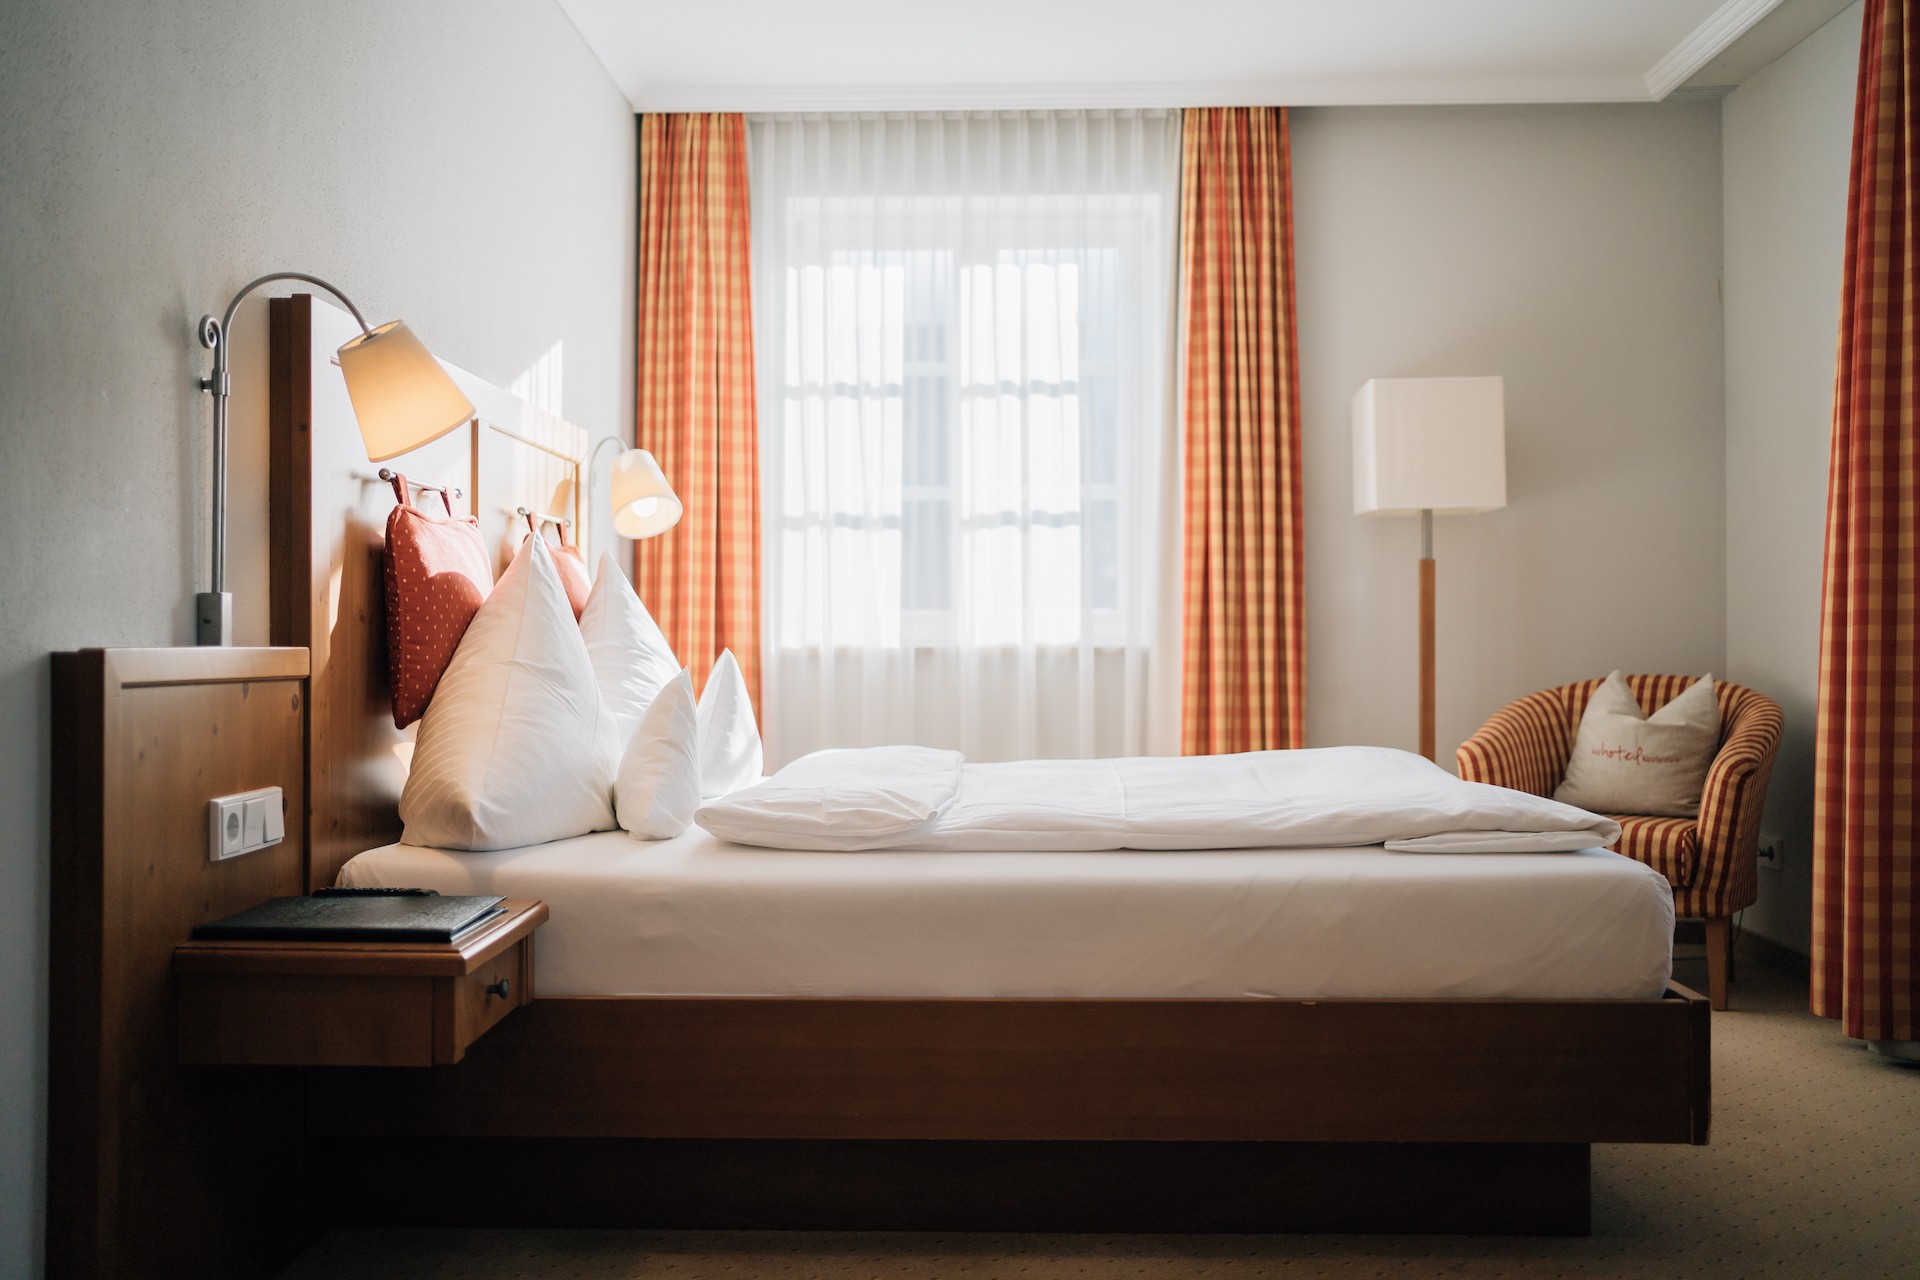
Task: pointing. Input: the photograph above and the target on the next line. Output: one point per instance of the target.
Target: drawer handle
(499, 988)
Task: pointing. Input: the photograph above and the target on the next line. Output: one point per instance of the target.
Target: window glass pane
(926, 569)
(1101, 451)
(1103, 552)
(926, 443)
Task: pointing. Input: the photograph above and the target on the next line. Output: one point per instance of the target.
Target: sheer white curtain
(965, 330)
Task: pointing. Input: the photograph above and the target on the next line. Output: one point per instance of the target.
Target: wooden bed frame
(1311, 1114)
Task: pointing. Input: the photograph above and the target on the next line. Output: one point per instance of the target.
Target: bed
(1257, 1039)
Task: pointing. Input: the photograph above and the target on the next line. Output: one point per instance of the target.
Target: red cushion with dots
(437, 577)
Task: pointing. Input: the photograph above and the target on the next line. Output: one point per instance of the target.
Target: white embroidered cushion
(657, 789)
(1624, 762)
(730, 753)
(516, 747)
(632, 660)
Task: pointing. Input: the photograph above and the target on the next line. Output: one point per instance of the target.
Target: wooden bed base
(1347, 1115)
(1058, 1070)
(852, 1185)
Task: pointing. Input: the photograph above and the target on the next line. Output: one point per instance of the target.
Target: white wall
(465, 164)
(1787, 139)
(1576, 252)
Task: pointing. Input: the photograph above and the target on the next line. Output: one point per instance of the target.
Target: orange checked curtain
(1243, 628)
(701, 580)
(1867, 777)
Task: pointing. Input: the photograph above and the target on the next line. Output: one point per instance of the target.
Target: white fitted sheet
(695, 916)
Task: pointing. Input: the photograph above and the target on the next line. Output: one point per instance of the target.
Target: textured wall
(1788, 136)
(1576, 252)
(465, 164)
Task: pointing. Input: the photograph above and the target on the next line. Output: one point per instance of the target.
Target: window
(963, 390)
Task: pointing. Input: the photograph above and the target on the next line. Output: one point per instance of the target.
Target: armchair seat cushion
(1670, 846)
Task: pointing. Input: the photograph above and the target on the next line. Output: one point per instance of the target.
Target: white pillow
(516, 747)
(1624, 762)
(632, 660)
(657, 789)
(730, 755)
(843, 799)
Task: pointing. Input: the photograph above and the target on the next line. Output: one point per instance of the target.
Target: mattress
(693, 916)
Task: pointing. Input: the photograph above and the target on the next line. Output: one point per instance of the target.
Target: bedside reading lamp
(644, 504)
(1425, 446)
(401, 397)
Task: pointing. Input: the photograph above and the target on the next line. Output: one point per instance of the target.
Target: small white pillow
(840, 799)
(516, 747)
(1624, 762)
(632, 660)
(657, 789)
(730, 754)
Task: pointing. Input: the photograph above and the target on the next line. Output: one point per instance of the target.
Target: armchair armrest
(1736, 791)
(1524, 746)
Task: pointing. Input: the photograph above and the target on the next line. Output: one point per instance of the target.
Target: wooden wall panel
(156, 1169)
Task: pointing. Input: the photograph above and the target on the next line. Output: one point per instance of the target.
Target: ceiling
(818, 55)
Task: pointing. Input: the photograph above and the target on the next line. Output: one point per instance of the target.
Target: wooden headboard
(328, 513)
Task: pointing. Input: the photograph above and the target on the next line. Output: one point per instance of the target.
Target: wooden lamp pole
(1426, 635)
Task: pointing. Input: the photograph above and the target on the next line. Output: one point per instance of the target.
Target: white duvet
(917, 798)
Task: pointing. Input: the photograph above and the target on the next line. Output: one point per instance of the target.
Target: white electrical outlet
(245, 822)
(1772, 845)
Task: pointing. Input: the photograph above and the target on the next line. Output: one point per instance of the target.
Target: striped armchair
(1708, 860)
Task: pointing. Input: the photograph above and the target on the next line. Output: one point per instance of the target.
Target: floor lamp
(1426, 447)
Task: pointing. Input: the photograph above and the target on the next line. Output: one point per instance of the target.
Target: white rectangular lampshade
(1429, 444)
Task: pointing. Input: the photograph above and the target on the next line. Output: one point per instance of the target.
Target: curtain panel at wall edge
(1867, 767)
(694, 403)
(1243, 682)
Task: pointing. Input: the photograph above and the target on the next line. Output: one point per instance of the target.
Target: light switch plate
(244, 822)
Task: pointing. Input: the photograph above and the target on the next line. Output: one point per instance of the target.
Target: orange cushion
(573, 576)
(437, 576)
(567, 562)
(1670, 846)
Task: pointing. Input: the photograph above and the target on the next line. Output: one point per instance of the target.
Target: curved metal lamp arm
(593, 467)
(226, 317)
(214, 609)
(593, 458)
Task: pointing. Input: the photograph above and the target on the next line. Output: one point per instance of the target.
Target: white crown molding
(1704, 43)
(1372, 91)
(1700, 46)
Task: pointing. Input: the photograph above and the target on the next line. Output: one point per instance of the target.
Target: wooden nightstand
(353, 1004)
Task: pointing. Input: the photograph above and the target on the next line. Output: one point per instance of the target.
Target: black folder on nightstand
(400, 918)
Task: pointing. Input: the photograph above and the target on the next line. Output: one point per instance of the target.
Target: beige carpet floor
(1814, 1170)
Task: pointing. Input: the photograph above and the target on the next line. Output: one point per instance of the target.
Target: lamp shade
(1429, 444)
(644, 504)
(401, 396)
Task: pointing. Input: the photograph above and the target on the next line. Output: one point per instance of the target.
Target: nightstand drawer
(352, 1004)
(469, 1007)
